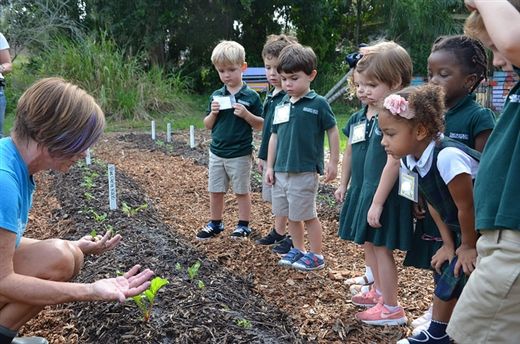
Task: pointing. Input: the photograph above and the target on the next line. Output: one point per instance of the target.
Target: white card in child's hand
(225, 102)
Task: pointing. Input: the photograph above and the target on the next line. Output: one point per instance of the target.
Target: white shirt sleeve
(3, 42)
(452, 161)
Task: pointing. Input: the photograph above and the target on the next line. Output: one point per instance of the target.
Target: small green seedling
(129, 211)
(110, 228)
(99, 217)
(88, 180)
(88, 196)
(244, 323)
(178, 266)
(160, 143)
(193, 270)
(145, 300)
(201, 284)
(93, 233)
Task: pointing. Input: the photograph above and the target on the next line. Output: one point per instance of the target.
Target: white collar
(424, 164)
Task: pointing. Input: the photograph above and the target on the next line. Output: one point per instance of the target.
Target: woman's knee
(52, 259)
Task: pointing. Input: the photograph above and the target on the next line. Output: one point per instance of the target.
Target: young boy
(270, 53)
(295, 155)
(488, 309)
(234, 111)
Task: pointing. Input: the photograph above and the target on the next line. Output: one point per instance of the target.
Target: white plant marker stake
(112, 186)
(192, 136)
(153, 130)
(169, 132)
(88, 160)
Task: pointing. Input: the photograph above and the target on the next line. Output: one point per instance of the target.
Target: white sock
(392, 308)
(368, 273)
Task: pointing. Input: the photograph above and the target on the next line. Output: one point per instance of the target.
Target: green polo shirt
(269, 105)
(231, 135)
(467, 119)
(300, 140)
(497, 187)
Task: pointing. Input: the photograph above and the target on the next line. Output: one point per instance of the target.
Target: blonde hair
(59, 116)
(228, 53)
(387, 62)
(474, 25)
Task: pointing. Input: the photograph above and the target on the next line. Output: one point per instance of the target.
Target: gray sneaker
(30, 340)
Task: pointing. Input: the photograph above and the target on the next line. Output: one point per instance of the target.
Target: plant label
(169, 132)
(225, 102)
(112, 186)
(88, 160)
(153, 130)
(192, 136)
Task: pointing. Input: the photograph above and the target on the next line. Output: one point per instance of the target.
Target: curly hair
(469, 52)
(427, 103)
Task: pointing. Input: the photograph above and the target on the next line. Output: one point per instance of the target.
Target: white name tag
(281, 113)
(357, 132)
(408, 184)
(225, 102)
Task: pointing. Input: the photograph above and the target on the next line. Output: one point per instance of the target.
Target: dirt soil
(239, 294)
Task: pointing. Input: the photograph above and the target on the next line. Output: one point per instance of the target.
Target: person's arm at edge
(346, 165)
(386, 183)
(331, 170)
(271, 158)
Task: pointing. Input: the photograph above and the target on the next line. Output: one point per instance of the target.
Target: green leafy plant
(88, 180)
(129, 211)
(93, 233)
(146, 299)
(178, 266)
(88, 196)
(244, 323)
(193, 270)
(160, 143)
(201, 284)
(99, 217)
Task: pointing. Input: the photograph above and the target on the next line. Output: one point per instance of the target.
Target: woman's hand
(122, 287)
(98, 244)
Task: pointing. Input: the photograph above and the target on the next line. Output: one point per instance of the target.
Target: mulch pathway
(243, 296)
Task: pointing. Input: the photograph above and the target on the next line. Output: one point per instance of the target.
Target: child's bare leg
(244, 206)
(315, 235)
(442, 310)
(297, 232)
(280, 224)
(387, 274)
(216, 205)
(370, 260)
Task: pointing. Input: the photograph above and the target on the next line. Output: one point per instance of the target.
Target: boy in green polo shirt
(295, 155)
(234, 111)
(488, 310)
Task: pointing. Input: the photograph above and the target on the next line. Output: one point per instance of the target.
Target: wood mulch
(243, 296)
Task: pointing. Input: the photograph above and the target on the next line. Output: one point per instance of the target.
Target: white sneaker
(423, 327)
(425, 318)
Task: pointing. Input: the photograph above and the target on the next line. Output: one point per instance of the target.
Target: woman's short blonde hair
(228, 53)
(474, 26)
(59, 116)
(387, 62)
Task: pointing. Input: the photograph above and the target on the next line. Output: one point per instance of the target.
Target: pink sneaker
(367, 299)
(380, 315)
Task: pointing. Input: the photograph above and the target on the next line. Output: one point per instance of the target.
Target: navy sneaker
(426, 337)
(309, 262)
(209, 231)
(292, 256)
(283, 246)
(271, 238)
(241, 232)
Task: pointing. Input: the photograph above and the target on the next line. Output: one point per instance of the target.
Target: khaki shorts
(488, 310)
(294, 195)
(267, 190)
(234, 171)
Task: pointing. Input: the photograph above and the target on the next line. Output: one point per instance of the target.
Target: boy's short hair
(60, 116)
(474, 25)
(387, 62)
(275, 43)
(296, 58)
(228, 53)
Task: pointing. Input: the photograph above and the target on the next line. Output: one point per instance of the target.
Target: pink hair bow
(397, 105)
